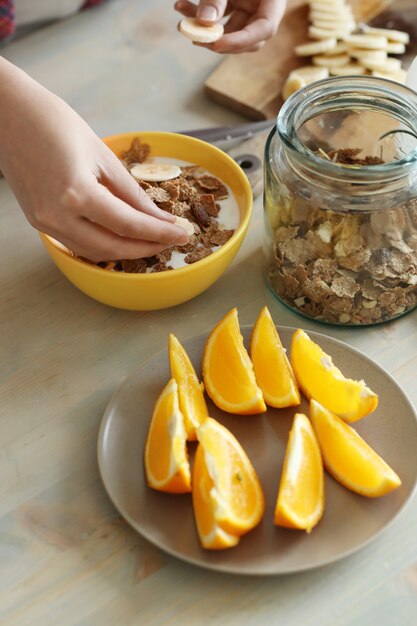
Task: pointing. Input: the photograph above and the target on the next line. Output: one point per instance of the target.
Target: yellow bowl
(145, 292)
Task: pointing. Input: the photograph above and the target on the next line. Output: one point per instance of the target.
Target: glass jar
(340, 201)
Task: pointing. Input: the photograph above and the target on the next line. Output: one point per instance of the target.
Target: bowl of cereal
(209, 190)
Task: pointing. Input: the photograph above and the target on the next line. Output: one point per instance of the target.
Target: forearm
(24, 107)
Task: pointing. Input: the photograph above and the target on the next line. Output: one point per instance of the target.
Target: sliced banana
(336, 26)
(351, 69)
(395, 48)
(311, 73)
(324, 33)
(329, 62)
(388, 66)
(330, 9)
(197, 32)
(185, 224)
(315, 47)
(377, 56)
(155, 172)
(325, 5)
(324, 16)
(397, 36)
(399, 77)
(339, 48)
(292, 84)
(367, 42)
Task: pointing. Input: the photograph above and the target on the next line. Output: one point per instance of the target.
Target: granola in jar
(341, 202)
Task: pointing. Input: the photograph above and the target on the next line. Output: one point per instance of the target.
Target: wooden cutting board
(251, 83)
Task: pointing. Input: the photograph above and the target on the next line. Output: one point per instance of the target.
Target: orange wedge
(211, 535)
(190, 390)
(348, 458)
(273, 371)
(321, 380)
(228, 373)
(166, 460)
(300, 501)
(235, 501)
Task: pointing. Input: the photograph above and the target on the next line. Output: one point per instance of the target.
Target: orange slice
(211, 535)
(300, 501)
(190, 390)
(236, 501)
(166, 460)
(348, 458)
(273, 371)
(321, 380)
(228, 373)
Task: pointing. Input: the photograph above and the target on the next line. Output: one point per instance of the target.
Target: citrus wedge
(190, 390)
(212, 537)
(236, 502)
(300, 501)
(273, 371)
(321, 380)
(348, 458)
(166, 460)
(228, 373)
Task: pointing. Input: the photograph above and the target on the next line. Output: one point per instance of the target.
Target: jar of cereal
(341, 201)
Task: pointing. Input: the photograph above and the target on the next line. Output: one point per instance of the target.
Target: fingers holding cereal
(108, 211)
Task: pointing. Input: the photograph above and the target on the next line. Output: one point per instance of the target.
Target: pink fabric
(7, 24)
(7, 16)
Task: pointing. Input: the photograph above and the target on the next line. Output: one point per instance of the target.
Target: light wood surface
(252, 83)
(66, 556)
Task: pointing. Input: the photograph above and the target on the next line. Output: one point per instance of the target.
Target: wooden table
(66, 556)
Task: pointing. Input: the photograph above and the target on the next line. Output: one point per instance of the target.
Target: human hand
(68, 183)
(250, 23)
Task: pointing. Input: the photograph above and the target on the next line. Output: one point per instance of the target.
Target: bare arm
(68, 183)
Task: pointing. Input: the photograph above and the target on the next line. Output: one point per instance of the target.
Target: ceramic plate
(349, 522)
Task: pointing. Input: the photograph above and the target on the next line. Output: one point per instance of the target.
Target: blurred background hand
(249, 25)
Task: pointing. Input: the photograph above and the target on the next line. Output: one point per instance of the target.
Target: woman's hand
(250, 23)
(68, 183)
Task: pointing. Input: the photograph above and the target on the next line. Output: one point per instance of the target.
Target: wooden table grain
(66, 556)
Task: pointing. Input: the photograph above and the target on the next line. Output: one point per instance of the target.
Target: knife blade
(230, 135)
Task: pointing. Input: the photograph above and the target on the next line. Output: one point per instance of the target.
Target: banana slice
(315, 47)
(377, 56)
(368, 42)
(324, 16)
(351, 69)
(292, 84)
(311, 73)
(336, 61)
(155, 172)
(327, 5)
(182, 222)
(339, 48)
(389, 66)
(202, 34)
(303, 76)
(395, 48)
(330, 9)
(397, 36)
(336, 25)
(399, 77)
(324, 33)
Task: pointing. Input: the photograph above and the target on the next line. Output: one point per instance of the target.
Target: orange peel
(321, 380)
(348, 458)
(300, 500)
(166, 459)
